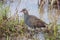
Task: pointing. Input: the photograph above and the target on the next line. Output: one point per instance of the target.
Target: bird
(32, 21)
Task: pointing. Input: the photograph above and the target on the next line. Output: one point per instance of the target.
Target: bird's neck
(26, 16)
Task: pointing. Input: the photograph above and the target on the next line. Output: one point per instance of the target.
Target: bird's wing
(35, 21)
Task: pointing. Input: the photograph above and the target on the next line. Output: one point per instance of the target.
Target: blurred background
(12, 20)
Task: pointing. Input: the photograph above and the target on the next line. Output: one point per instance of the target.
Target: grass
(12, 27)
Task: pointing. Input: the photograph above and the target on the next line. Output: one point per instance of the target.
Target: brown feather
(36, 22)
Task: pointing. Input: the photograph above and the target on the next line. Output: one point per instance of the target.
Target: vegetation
(9, 27)
(53, 17)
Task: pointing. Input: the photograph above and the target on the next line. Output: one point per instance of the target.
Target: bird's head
(25, 11)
